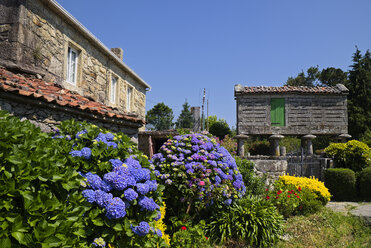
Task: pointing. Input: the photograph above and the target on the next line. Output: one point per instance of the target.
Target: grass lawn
(326, 229)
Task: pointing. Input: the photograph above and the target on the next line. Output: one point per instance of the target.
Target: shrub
(365, 183)
(259, 147)
(197, 172)
(40, 201)
(291, 200)
(292, 144)
(254, 184)
(251, 219)
(228, 143)
(312, 184)
(341, 182)
(121, 191)
(354, 155)
(188, 236)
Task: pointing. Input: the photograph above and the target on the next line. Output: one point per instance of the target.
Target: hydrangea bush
(118, 185)
(197, 172)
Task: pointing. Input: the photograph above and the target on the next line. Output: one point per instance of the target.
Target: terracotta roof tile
(290, 89)
(51, 92)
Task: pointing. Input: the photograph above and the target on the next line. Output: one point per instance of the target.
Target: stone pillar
(196, 119)
(241, 138)
(307, 140)
(344, 137)
(275, 144)
(118, 52)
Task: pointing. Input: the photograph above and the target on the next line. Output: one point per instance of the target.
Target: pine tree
(185, 119)
(359, 98)
(160, 117)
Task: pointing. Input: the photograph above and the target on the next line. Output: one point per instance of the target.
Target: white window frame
(129, 96)
(113, 93)
(72, 78)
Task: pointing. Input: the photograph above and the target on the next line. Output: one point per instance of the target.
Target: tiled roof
(53, 93)
(338, 89)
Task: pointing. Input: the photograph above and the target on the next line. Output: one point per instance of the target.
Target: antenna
(203, 115)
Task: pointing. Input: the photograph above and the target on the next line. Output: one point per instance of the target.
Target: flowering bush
(228, 143)
(117, 184)
(197, 172)
(188, 236)
(312, 184)
(354, 155)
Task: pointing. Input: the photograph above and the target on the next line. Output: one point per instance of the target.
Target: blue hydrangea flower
(142, 188)
(147, 203)
(228, 202)
(152, 185)
(96, 182)
(130, 194)
(115, 162)
(109, 136)
(113, 144)
(102, 198)
(75, 153)
(142, 229)
(86, 152)
(158, 216)
(158, 232)
(115, 208)
(89, 194)
(80, 133)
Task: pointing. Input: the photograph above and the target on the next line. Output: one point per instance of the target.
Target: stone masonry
(35, 36)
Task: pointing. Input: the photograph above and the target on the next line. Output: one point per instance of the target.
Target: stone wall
(34, 38)
(273, 168)
(304, 114)
(47, 116)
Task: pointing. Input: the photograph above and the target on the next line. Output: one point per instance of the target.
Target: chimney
(118, 52)
(196, 119)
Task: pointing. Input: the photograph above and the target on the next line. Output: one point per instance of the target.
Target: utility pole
(207, 114)
(203, 115)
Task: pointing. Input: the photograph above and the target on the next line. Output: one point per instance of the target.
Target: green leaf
(118, 227)
(98, 222)
(19, 237)
(5, 243)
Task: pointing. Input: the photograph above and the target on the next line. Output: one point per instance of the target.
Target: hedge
(341, 183)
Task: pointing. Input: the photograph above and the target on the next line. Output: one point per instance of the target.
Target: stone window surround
(116, 101)
(71, 44)
(129, 106)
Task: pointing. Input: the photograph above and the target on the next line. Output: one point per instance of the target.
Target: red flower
(266, 189)
(289, 196)
(297, 196)
(206, 238)
(267, 197)
(279, 192)
(183, 228)
(299, 189)
(277, 197)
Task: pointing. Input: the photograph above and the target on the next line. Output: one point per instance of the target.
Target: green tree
(185, 119)
(359, 98)
(314, 77)
(160, 117)
(220, 129)
(211, 120)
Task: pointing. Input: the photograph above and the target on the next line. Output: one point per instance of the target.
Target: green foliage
(292, 144)
(41, 204)
(220, 129)
(185, 119)
(354, 155)
(188, 235)
(228, 143)
(252, 219)
(254, 184)
(341, 183)
(359, 98)
(259, 147)
(327, 77)
(366, 138)
(364, 182)
(160, 117)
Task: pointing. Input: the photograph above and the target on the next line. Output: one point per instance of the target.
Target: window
(72, 65)
(278, 112)
(128, 98)
(113, 89)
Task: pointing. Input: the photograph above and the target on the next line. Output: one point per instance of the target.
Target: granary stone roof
(50, 92)
(338, 89)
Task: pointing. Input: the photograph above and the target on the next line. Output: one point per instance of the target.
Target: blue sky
(180, 47)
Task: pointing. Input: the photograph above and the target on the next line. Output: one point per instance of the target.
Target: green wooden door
(278, 112)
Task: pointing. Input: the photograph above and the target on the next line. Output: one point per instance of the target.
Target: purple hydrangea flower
(116, 162)
(80, 133)
(228, 202)
(142, 188)
(102, 198)
(86, 152)
(75, 153)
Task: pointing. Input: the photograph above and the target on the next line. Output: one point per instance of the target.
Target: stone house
(59, 59)
(295, 111)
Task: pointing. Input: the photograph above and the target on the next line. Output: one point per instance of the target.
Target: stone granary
(287, 110)
(53, 68)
